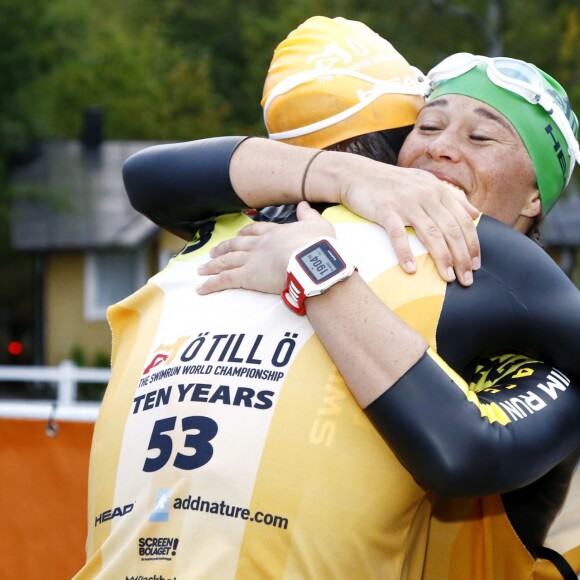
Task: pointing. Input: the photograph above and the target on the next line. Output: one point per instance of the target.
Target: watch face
(320, 262)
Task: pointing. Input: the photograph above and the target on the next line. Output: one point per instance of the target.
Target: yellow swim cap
(332, 79)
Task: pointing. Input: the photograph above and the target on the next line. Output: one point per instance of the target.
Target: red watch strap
(293, 295)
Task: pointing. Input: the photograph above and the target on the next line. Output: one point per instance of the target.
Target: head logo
(160, 512)
(116, 512)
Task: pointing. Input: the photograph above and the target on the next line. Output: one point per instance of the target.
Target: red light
(15, 348)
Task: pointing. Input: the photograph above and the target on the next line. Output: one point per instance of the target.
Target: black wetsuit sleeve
(181, 184)
(457, 442)
(522, 302)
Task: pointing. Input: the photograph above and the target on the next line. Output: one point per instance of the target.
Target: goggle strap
(563, 125)
(380, 88)
(328, 122)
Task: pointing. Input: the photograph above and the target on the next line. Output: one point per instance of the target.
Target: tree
(180, 70)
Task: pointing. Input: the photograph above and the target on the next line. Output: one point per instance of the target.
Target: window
(111, 276)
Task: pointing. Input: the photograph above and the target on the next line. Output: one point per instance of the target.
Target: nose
(443, 146)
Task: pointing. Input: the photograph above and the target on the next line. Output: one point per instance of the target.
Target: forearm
(179, 185)
(265, 172)
(457, 442)
(454, 441)
(370, 345)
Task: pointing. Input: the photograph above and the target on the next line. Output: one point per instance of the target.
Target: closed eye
(425, 127)
(480, 138)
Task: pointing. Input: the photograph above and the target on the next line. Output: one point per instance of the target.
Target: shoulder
(495, 234)
(214, 231)
(516, 259)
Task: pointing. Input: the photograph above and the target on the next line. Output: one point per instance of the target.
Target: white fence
(66, 376)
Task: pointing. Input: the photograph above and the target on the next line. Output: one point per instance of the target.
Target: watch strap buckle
(293, 295)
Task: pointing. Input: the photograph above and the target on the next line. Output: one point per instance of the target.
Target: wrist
(328, 177)
(338, 294)
(313, 269)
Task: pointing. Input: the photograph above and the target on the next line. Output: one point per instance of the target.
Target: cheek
(502, 189)
(516, 176)
(519, 174)
(528, 175)
(407, 152)
(490, 182)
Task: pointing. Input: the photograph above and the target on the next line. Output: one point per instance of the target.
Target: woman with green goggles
(482, 145)
(532, 101)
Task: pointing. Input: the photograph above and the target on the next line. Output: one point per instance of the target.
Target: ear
(532, 206)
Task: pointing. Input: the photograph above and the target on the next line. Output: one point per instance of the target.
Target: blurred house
(91, 247)
(561, 232)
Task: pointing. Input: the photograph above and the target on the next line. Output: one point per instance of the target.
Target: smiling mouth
(455, 187)
(447, 180)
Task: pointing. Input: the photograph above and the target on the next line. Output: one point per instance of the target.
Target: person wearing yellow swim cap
(347, 504)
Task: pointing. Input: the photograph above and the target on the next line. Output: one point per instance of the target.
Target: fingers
(463, 215)
(305, 211)
(472, 261)
(222, 263)
(319, 225)
(238, 244)
(449, 233)
(471, 210)
(454, 246)
(225, 271)
(219, 282)
(255, 259)
(447, 251)
(397, 233)
(462, 242)
(257, 228)
(439, 248)
(450, 254)
(469, 235)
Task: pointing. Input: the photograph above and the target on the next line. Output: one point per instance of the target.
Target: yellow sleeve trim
(490, 411)
(226, 226)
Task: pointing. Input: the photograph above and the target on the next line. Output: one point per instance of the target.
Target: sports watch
(312, 270)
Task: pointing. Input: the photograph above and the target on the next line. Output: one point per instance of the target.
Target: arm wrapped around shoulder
(459, 442)
(178, 184)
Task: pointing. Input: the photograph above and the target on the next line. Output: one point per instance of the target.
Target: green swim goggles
(521, 78)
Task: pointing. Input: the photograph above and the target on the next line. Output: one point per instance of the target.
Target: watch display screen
(320, 262)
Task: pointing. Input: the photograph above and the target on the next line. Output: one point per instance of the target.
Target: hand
(257, 258)
(439, 213)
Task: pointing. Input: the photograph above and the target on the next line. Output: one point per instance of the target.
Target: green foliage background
(184, 69)
(168, 70)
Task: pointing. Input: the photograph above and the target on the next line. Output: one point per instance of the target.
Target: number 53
(200, 442)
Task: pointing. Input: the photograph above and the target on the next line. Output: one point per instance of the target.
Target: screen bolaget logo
(160, 512)
(158, 548)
